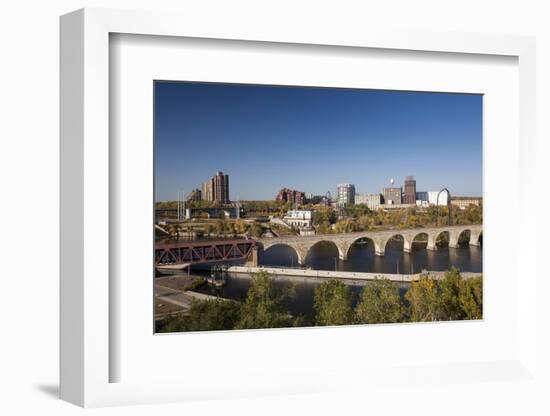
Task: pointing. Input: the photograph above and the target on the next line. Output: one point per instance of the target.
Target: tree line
(266, 305)
(361, 218)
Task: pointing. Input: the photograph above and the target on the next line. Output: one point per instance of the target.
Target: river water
(361, 258)
(324, 256)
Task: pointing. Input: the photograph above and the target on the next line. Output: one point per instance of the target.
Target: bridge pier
(255, 257)
(474, 239)
(453, 240)
(431, 247)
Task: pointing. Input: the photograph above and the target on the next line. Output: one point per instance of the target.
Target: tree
(266, 304)
(209, 315)
(345, 226)
(209, 229)
(471, 298)
(432, 214)
(365, 222)
(256, 230)
(379, 302)
(205, 315)
(240, 226)
(450, 307)
(332, 304)
(423, 300)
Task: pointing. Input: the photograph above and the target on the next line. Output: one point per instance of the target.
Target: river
(324, 256)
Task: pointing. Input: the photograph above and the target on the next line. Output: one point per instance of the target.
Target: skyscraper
(410, 190)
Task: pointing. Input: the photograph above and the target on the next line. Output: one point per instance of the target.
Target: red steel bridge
(182, 254)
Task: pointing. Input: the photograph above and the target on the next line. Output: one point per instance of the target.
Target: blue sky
(311, 139)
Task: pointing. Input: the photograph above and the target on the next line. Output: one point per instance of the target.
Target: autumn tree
(423, 300)
(332, 304)
(379, 302)
(450, 307)
(471, 298)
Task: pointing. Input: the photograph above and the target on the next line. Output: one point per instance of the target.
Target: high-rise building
(409, 196)
(220, 187)
(293, 196)
(217, 188)
(392, 196)
(206, 193)
(346, 194)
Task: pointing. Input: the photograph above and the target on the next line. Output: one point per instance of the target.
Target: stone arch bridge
(343, 242)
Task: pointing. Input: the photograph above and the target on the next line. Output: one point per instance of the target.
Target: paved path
(341, 274)
(180, 298)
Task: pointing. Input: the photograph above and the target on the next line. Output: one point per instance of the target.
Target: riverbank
(327, 274)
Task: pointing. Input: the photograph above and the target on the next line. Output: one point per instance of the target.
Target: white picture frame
(86, 355)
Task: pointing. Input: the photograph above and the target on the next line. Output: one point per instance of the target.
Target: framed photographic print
(245, 249)
(273, 212)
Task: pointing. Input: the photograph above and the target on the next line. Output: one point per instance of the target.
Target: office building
(299, 218)
(392, 196)
(293, 196)
(346, 194)
(463, 203)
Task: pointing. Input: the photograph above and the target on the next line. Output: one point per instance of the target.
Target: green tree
(449, 286)
(256, 230)
(209, 229)
(212, 315)
(423, 300)
(206, 315)
(471, 298)
(240, 226)
(379, 302)
(266, 304)
(332, 304)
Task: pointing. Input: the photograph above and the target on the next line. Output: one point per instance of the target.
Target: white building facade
(433, 200)
(299, 218)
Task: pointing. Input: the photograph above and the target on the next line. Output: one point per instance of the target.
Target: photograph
(281, 206)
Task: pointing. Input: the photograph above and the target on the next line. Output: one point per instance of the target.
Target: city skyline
(311, 139)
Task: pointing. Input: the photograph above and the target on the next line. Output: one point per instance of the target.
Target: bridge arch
(355, 242)
(411, 238)
(342, 251)
(399, 236)
(433, 238)
(455, 237)
(300, 255)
